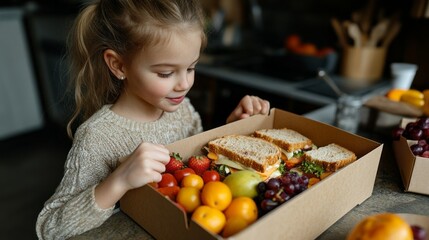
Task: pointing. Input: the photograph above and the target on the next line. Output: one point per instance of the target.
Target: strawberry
(199, 163)
(174, 164)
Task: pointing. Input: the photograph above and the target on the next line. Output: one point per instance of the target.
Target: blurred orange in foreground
(383, 226)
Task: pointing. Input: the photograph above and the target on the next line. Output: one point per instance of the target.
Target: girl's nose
(184, 81)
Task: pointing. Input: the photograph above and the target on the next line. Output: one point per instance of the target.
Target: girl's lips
(177, 100)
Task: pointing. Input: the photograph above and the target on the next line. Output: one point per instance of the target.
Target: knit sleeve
(72, 209)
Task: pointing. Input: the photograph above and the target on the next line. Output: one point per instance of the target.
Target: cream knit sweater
(98, 144)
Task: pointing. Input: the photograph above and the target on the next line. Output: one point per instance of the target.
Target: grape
(425, 132)
(416, 134)
(270, 193)
(416, 149)
(262, 186)
(397, 132)
(423, 123)
(425, 153)
(274, 184)
(303, 180)
(268, 204)
(289, 189)
(280, 189)
(418, 232)
(285, 179)
(422, 142)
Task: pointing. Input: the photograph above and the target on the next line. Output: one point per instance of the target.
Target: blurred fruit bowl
(306, 56)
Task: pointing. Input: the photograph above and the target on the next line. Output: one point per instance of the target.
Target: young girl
(132, 63)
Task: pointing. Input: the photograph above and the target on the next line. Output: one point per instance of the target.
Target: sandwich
(291, 142)
(241, 152)
(332, 157)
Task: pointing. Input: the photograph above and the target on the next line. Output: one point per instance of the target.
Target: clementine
(244, 208)
(234, 225)
(189, 198)
(210, 218)
(382, 226)
(216, 195)
(193, 180)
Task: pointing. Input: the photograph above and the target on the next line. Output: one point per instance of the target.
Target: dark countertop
(388, 196)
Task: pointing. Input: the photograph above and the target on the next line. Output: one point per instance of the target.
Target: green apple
(243, 183)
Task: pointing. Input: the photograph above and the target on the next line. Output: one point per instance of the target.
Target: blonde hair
(124, 26)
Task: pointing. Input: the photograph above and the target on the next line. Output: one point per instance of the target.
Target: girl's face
(159, 77)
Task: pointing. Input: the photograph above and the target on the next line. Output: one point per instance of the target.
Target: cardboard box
(305, 216)
(413, 169)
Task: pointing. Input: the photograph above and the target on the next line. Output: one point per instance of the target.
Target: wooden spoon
(378, 32)
(355, 34)
(339, 31)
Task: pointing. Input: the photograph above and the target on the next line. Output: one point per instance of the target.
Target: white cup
(403, 75)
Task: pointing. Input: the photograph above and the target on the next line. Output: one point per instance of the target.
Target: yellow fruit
(210, 218)
(192, 180)
(244, 208)
(216, 195)
(189, 198)
(233, 226)
(383, 226)
(413, 97)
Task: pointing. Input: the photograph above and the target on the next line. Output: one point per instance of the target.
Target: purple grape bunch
(419, 233)
(418, 131)
(278, 190)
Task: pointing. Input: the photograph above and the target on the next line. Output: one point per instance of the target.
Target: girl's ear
(115, 63)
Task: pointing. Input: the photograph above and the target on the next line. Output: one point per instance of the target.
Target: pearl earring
(122, 77)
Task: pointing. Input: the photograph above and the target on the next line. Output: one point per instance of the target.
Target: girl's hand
(144, 165)
(248, 106)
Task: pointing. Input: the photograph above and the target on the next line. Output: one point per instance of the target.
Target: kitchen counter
(310, 89)
(388, 196)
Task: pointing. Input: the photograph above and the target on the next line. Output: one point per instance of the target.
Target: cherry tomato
(167, 180)
(210, 175)
(181, 173)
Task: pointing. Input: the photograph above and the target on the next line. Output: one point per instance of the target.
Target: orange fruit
(292, 41)
(244, 208)
(234, 225)
(216, 195)
(193, 180)
(382, 226)
(210, 218)
(395, 94)
(189, 198)
(307, 49)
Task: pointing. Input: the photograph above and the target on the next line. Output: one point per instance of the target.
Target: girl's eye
(165, 75)
(191, 70)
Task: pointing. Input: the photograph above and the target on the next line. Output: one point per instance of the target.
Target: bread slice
(332, 157)
(248, 151)
(288, 139)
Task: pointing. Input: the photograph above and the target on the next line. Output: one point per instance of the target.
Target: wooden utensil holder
(363, 64)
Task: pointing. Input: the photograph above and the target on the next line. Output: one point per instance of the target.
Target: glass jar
(347, 116)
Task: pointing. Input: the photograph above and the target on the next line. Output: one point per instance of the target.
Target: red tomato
(181, 173)
(210, 175)
(167, 180)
